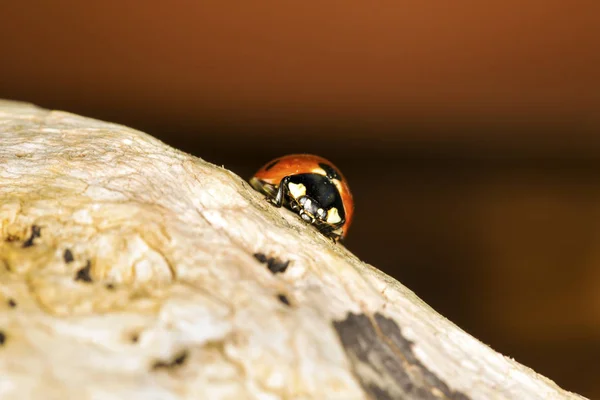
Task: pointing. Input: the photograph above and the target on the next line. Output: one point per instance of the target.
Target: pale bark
(131, 270)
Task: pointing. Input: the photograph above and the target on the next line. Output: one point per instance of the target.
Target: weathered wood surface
(129, 269)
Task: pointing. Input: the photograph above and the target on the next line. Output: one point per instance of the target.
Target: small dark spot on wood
(260, 257)
(11, 238)
(330, 171)
(84, 273)
(110, 286)
(68, 256)
(274, 163)
(36, 232)
(282, 298)
(275, 265)
(378, 393)
(12, 303)
(135, 337)
(376, 347)
(177, 361)
(2, 338)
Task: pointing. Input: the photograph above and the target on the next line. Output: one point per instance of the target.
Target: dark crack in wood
(177, 361)
(261, 257)
(134, 337)
(283, 298)
(11, 238)
(36, 232)
(84, 273)
(275, 265)
(68, 256)
(384, 362)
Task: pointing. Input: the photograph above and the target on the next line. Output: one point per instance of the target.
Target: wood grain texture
(129, 269)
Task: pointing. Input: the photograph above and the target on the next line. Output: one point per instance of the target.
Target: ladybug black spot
(330, 171)
(274, 163)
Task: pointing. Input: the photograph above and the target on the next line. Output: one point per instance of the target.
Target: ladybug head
(316, 199)
(311, 208)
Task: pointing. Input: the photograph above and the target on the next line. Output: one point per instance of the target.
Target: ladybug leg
(281, 192)
(306, 217)
(330, 231)
(335, 236)
(335, 233)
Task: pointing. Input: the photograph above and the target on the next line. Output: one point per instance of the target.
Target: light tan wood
(129, 269)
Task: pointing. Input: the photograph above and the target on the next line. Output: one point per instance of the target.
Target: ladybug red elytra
(310, 186)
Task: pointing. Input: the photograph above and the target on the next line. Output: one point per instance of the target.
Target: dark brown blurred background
(468, 132)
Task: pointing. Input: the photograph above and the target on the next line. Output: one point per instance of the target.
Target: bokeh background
(469, 132)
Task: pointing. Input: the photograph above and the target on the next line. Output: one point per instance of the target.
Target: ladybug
(312, 187)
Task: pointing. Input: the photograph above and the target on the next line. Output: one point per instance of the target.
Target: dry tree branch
(131, 270)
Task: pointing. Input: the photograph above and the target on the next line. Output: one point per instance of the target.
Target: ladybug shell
(274, 171)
